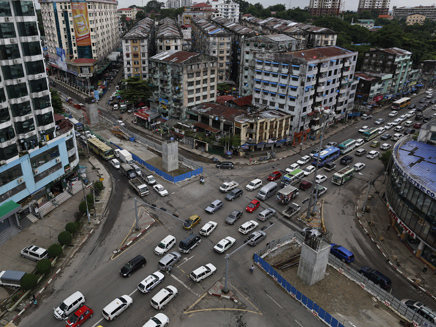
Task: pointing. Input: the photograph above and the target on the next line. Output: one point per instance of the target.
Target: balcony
(251, 131)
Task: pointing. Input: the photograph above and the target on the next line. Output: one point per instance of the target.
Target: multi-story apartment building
(181, 80)
(213, 40)
(324, 7)
(34, 153)
(310, 36)
(239, 34)
(130, 13)
(177, 4)
(305, 82)
(79, 36)
(415, 19)
(138, 45)
(367, 23)
(169, 36)
(393, 61)
(199, 10)
(402, 12)
(226, 9)
(371, 88)
(260, 44)
(382, 6)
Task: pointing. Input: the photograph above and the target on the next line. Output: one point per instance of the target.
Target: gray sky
(348, 4)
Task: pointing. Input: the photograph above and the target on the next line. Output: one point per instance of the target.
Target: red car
(275, 175)
(80, 316)
(253, 205)
(417, 125)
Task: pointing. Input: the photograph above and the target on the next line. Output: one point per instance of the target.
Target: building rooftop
(168, 28)
(419, 161)
(394, 51)
(243, 101)
(175, 56)
(320, 53)
(365, 76)
(218, 110)
(224, 98)
(263, 114)
(140, 30)
(201, 5)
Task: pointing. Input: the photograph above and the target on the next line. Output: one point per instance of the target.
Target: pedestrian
(252, 268)
(250, 161)
(425, 268)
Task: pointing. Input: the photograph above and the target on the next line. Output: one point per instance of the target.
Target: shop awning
(207, 127)
(7, 209)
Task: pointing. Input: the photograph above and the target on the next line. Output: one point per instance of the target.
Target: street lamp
(324, 117)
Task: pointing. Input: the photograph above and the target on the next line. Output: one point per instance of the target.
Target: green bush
(98, 187)
(65, 238)
(90, 199)
(55, 250)
(43, 266)
(28, 282)
(71, 227)
(82, 207)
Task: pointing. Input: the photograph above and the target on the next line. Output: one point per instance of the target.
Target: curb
(226, 297)
(133, 240)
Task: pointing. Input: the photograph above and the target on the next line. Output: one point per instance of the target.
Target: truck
(139, 186)
(286, 194)
(126, 156)
(228, 186)
(11, 278)
(128, 171)
(150, 180)
(291, 210)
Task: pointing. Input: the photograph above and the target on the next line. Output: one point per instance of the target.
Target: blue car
(342, 253)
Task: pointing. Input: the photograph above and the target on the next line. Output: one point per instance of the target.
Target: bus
(100, 148)
(286, 194)
(343, 175)
(403, 102)
(327, 155)
(347, 146)
(370, 133)
(292, 177)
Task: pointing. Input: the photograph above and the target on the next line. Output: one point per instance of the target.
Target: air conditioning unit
(16, 61)
(28, 117)
(13, 41)
(7, 19)
(34, 38)
(19, 80)
(20, 180)
(58, 160)
(36, 171)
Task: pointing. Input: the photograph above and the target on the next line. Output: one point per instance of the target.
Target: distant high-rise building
(381, 5)
(177, 3)
(402, 12)
(324, 7)
(226, 9)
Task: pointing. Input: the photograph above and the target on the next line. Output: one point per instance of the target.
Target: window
(44, 157)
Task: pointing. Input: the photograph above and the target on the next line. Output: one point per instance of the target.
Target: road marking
(298, 323)
(274, 300)
(185, 260)
(186, 286)
(98, 322)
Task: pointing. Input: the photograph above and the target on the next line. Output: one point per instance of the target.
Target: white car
(309, 170)
(208, 228)
(150, 282)
(159, 320)
(381, 130)
(399, 128)
(304, 160)
(320, 179)
(363, 129)
(408, 123)
(395, 122)
(115, 163)
(359, 166)
(372, 154)
(120, 122)
(359, 142)
(402, 117)
(202, 272)
(434, 107)
(248, 227)
(411, 112)
(254, 184)
(393, 113)
(385, 146)
(294, 166)
(117, 307)
(408, 115)
(160, 189)
(386, 127)
(224, 244)
(389, 126)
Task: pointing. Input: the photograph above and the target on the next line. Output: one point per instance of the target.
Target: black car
(420, 107)
(425, 119)
(346, 160)
(233, 217)
(419, 116)
(234, 194)
(133, 265)
(412, 106)
(225, 165)
(409, 131)
(433, 101)
(376, 277)
(422, 100)
(385, 137)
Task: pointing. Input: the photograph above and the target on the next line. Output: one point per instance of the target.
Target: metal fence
(383, 296)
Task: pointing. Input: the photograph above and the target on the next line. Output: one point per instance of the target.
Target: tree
(137, 90)
(385, 158)
(140, 15)
(65, 238)
(54, 250)
(43, 266)
(28, 282)
(56, 101)
(223, 87)
(153, 5)
(71, 227)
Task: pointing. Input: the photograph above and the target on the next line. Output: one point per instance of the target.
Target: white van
(164, 296)
(165, 245)
(267, 191)
(254, 184)
(34, 253)
(69, 305)
(117, 307)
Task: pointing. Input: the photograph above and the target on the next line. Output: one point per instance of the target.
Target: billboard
(60, 61)
(81, 23)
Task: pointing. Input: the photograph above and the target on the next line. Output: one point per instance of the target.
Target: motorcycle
(202, 181)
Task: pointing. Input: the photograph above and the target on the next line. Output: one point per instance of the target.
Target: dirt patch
(157, 162)
(338, 295)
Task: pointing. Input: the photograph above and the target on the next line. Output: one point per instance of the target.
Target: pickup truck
(11, 278)
(291, 210)
(139, 186)
(228, 186)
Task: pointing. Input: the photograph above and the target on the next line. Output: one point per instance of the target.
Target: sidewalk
(44, 232)
(387, 239)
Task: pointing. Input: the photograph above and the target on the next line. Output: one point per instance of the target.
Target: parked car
(345, 160)
(191, 222)
(366, 117)
(225, 165)
(385, 137)
(304, 160)
(208, 228)
(385, 146)
(225, 244)
(372, 154)
(275, 175)
(375, 144)
(252, 206)
(214, 206)
(247, 227)
(363, 129)
(342, 253)
(320, 179)
(233, 217)
(359, 142)
(359, 166)
(376, 277)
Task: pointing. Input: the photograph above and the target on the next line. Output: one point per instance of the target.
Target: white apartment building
(177, 4)
(138, 45)
(79, 37)
(128, 12)
(35, 154)
(305, 82)
(226, 9)
(169, 36)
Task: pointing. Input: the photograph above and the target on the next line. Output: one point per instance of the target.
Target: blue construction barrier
(308, 303)
(173, 179)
